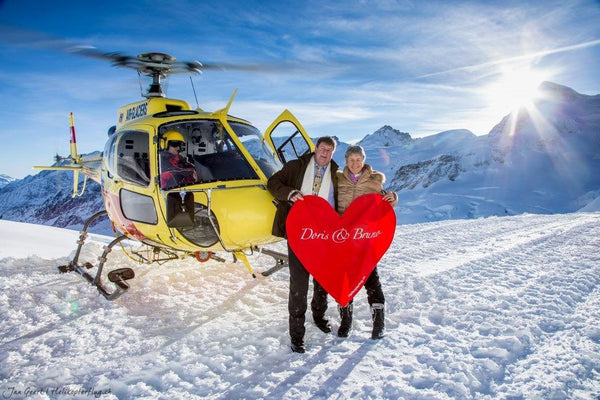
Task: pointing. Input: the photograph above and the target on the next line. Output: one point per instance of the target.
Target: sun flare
(515, 88)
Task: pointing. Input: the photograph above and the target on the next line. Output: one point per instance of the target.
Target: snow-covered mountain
(5, 180)
(544, 159)
(386, 136)
(45, 198)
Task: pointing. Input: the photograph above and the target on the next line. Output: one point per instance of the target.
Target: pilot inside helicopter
(176, 171)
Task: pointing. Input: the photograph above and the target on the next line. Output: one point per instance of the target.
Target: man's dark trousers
(297, 302)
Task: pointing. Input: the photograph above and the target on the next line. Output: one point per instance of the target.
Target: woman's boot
(346, 320)
(378, 320)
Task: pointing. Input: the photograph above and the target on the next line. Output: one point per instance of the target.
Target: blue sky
(421, 67)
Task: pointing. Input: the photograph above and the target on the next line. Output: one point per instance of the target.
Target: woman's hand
(390, 197)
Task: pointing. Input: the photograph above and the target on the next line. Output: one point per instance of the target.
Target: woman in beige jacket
(355, 180)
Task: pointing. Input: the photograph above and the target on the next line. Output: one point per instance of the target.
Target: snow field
(488, 308)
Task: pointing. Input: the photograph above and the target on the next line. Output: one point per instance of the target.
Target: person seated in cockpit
(224, 145)
(175, 170)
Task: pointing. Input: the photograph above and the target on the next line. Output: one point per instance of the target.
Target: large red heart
(340, 252)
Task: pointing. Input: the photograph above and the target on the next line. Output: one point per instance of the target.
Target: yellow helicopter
(182, 181)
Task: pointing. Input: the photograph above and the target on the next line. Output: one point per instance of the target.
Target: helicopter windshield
(258, 149)
(208, 154)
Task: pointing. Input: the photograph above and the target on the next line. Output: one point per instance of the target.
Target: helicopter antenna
(194, 89)
(140, 82)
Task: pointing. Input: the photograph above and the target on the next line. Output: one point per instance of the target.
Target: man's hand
(295, 195)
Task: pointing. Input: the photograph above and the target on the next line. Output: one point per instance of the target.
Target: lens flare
(516, 88)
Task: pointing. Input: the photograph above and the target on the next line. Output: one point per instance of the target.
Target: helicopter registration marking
(138, 111)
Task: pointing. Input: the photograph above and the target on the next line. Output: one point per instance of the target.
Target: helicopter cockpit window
(109, 160)
(133, 164)
(206, 154)
(258, 149)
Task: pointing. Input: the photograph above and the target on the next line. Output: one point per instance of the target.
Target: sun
(515, 88)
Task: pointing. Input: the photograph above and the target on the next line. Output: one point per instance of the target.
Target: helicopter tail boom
(90, 168)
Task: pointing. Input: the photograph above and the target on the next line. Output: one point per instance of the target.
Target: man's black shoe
(298, 347)
(323, 324)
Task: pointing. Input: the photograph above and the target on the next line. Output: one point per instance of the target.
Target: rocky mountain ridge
(540, 160)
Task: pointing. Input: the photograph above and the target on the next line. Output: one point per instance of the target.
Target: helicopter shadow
(44, 330)
(174, 333)
(214, 313)
(17, 342)
(57, 281)
(176, 330)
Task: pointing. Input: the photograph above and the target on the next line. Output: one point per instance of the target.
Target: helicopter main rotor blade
(17, 36)
(146, 63)
(261, 67)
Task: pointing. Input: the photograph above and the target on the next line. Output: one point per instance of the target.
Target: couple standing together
(316, 173)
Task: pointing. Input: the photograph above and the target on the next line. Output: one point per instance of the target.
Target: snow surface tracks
(510, 305)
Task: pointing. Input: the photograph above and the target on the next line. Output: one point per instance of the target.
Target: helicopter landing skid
(118, 276)
(281, 260)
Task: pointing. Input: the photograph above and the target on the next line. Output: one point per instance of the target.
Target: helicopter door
(287, 137)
